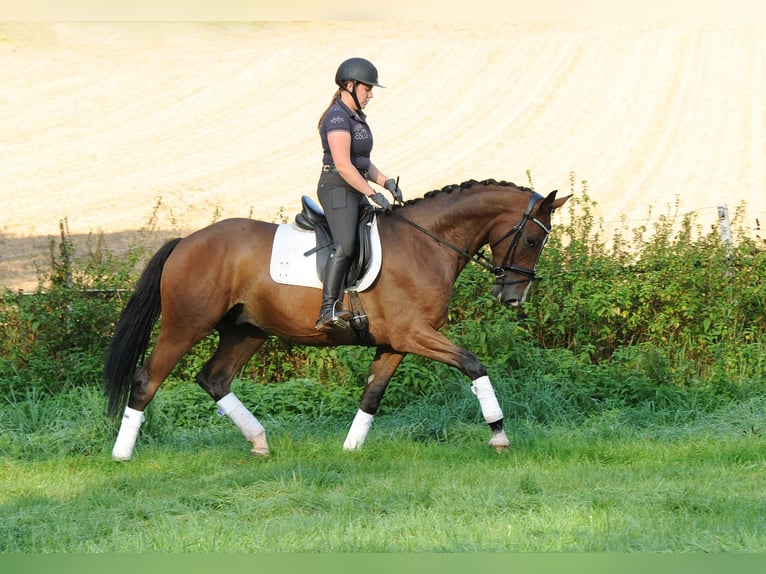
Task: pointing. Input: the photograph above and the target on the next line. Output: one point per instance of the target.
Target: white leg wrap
(490, 408)
(358, 431)
(126, 438)
(231, 406)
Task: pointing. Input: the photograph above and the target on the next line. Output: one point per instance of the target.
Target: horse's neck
(460, 218)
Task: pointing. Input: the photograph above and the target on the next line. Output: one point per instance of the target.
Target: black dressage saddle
(312, 218)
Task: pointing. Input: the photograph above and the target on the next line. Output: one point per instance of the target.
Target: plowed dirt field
(101, 121)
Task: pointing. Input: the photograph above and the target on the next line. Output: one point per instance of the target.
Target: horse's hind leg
(148, 379)
(382, 369)
(235, 347)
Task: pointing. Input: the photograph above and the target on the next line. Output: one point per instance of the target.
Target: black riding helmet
(359, 71)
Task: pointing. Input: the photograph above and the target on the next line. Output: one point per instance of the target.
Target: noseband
(499, 271)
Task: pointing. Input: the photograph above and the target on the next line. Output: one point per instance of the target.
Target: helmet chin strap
(353, 95)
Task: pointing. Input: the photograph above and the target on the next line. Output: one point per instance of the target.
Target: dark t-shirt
(340, 117)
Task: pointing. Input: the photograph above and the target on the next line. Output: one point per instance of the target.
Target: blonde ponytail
(334, 97)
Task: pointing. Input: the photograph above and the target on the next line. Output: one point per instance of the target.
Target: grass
(605, 485)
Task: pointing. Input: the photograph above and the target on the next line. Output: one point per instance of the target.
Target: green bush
(56, 337)
(679, 290)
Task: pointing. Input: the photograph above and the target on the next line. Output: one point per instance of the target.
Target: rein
(481, 259)
(444, 242)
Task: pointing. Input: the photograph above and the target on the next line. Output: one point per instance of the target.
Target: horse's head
(515, 251)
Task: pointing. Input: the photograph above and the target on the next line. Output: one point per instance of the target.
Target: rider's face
(363, 93)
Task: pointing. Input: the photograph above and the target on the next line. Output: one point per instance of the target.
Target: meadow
(632, 384)
(606, 485)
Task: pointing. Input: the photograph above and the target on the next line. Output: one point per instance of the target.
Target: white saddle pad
(290, 266)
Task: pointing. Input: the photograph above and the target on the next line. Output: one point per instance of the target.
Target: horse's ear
(550, 203)
(561, 201)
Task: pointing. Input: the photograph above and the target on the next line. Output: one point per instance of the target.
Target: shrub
(56, 337)
(678, 290)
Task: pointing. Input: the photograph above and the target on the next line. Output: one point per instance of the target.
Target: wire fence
(717, 216)
(24, 267)
(21, 270)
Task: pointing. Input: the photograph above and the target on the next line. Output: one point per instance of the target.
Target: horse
(217, 279)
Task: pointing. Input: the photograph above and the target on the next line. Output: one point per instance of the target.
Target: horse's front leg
(490, 408)
(382, 369)
(433, 345)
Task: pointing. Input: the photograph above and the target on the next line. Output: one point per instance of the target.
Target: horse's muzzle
(510, 296)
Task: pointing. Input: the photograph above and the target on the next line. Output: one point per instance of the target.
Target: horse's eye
(531, 243)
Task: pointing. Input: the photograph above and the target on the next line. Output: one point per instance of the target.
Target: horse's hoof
(260, 446)
(260, 452)
(500, 442)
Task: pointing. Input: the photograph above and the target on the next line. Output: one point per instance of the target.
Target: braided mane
(467, 185)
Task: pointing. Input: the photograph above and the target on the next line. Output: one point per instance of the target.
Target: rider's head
(357, 71)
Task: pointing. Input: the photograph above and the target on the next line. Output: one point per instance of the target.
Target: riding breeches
(340, 203)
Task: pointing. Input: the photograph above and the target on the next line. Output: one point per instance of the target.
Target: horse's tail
(134, 327)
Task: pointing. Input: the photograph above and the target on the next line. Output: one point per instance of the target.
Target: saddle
(312, 218)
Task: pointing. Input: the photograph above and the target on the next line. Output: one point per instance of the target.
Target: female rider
(343, 184)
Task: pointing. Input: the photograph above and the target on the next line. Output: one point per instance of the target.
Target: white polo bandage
(126, 438)
(357, 434)
(232, 407)
(490, 408)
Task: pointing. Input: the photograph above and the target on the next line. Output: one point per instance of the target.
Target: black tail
(131, 336)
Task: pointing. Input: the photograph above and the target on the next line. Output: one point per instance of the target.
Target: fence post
(724, 226)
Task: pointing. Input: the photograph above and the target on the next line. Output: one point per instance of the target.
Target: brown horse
(218, 278)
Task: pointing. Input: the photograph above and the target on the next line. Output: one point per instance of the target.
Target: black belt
(332, 169)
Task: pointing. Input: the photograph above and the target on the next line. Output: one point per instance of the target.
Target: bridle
(499, 271)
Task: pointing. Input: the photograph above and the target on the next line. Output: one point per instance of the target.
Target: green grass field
(608, 484)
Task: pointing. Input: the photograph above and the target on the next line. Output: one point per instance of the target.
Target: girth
(312, 218)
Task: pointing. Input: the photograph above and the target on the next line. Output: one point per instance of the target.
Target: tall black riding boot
(332, 313)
